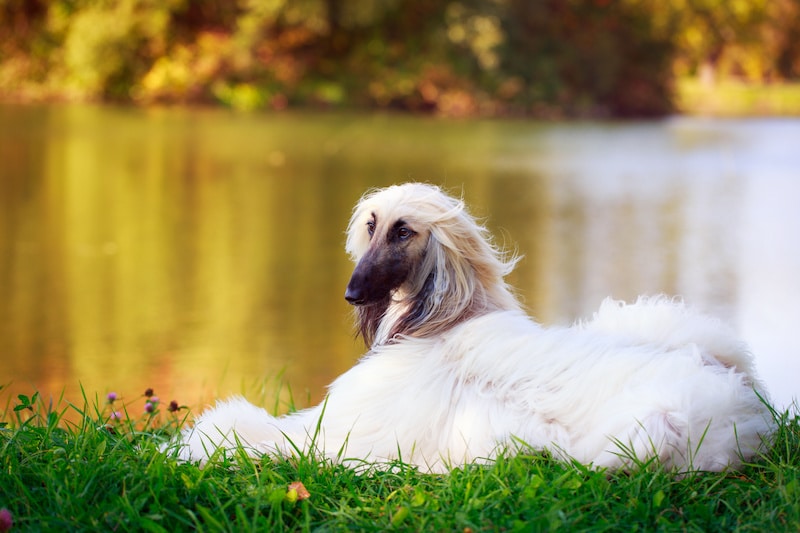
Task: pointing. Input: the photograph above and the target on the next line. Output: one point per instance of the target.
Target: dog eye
(404, 233)
(370, 227)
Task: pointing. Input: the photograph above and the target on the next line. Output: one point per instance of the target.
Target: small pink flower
(153, 399)
(112, 396)
(6, 520)
(149, 407)
(149, 392)
(173, 406)
(116, 415)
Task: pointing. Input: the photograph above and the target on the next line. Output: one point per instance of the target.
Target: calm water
(199, 252)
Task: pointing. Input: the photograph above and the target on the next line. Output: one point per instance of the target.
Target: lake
(199, 252)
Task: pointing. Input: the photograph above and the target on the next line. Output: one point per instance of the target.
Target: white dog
(457, 372)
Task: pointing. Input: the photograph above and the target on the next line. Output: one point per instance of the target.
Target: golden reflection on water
(200, 253)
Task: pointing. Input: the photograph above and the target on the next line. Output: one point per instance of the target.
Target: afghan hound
(456, 372)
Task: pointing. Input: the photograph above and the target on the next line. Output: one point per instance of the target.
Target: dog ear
(455, 276)
(358, 239)
(467, 273)
(442, 292)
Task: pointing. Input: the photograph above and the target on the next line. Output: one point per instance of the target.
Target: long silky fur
(461, 274)
(457, 372)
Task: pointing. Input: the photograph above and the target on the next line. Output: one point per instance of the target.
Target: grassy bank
(105, 473)
(729, 98)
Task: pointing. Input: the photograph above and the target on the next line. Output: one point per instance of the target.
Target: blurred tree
(599, 57)
(783, 29)
(458, 57)
(103, 45)
(710, 29)
(749, 39)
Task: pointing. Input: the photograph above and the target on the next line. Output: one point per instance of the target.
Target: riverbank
(726, 98)
(737, 99)
(106, 473)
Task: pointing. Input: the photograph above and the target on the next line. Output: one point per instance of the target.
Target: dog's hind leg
(227, 426)
(661, 437)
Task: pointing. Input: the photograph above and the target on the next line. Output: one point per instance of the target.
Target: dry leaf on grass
(297, 488)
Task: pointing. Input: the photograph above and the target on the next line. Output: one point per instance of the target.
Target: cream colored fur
(652, 378)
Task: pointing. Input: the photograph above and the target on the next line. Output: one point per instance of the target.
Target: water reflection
(200, 252)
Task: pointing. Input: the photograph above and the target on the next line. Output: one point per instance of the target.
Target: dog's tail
(670, 323)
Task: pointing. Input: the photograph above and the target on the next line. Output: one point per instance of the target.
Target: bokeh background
(543, 58)
(176, 177)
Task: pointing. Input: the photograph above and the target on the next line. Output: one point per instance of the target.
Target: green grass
(101, 474)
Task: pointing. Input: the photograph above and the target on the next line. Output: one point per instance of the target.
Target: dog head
(422, 262)
(388, 239)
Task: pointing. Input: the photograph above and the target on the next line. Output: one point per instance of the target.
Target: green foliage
(100, 48)
(584, 57)
(101, 474)
(460, 57)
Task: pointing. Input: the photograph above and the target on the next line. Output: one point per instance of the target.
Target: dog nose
(353, 295)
